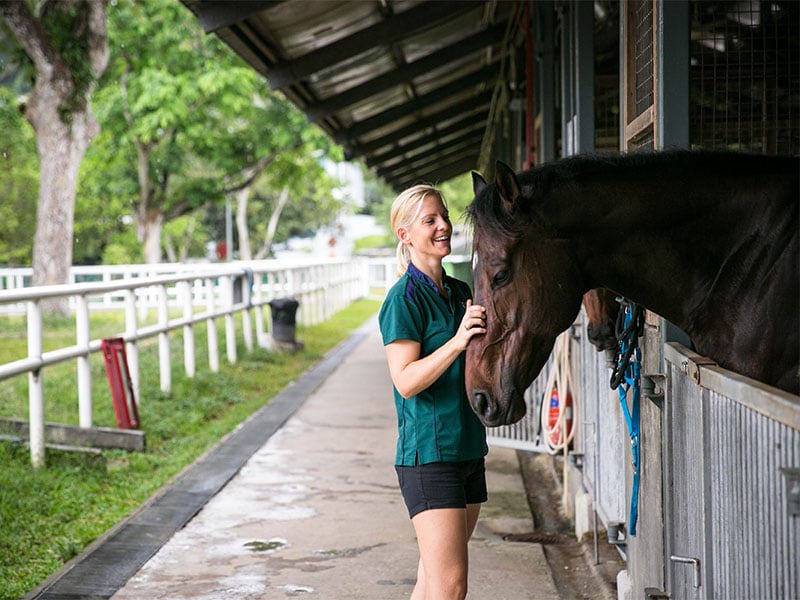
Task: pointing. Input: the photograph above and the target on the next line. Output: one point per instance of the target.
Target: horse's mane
(488, 208)
(539, 182)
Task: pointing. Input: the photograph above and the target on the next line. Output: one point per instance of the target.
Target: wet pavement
(302, 500)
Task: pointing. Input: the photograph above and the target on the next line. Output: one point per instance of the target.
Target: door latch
(695, 562)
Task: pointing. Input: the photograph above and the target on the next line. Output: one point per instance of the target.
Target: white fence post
(164, 363)
(132, 346)
(188, 330)
(247, 320)
(35, 384)
(258, 297)
(84, 365)
(211, 325)
(230, 325)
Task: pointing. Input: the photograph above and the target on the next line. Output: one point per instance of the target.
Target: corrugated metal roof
(406, 85)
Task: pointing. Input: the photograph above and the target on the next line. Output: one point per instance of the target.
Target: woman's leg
(473, 511)
(419, 587)
(442, 536)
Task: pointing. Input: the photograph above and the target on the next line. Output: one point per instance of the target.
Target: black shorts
(442, 485)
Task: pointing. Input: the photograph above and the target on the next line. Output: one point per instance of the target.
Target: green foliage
(122, 249)
(371, 242)
(66, 26)
(183, 119)
(19, 183)
(458, 192)
(49, 515)
(311, 205)
(197, 117)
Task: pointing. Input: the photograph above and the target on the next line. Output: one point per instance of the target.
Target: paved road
(315, 510)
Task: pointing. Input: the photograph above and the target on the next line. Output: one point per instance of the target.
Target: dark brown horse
(709, 241)
(602, 309)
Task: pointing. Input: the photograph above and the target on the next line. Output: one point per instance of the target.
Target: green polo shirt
(438, 424)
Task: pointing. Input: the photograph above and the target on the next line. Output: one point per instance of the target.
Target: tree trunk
(150, 230)
(60, 154)
(266, 247)
(242, 196)
(61, 116)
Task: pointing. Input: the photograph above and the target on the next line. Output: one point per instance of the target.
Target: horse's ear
(478, 183)
(507, 185)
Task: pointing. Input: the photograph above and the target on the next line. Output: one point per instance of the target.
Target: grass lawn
(49, 515)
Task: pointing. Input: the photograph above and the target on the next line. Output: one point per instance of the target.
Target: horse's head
(602, 309)
(527, 278)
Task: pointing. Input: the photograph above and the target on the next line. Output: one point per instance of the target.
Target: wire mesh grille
(745, 75)
(643, 25)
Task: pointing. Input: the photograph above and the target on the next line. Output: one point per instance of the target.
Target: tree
(190, 123)
(156, 101)
(19, 183)
(298, 177)
(67, 47)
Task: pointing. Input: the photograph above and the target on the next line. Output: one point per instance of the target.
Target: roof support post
(567, 65)
(672, 97)
(583, 131)
(672, 74)
(545, 71)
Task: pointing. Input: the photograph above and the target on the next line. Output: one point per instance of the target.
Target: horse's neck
(654, 240)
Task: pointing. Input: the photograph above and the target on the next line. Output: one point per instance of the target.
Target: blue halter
(626, 376)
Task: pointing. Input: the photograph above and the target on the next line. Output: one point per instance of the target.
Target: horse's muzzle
(493, 413)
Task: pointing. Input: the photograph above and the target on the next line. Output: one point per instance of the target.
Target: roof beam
(486, 75)
(437, 173)
(215, 14)
(468, 108)
(383, 33)
(445, 155)
(452, 53)
(469, 140)
(463, 126)
(469, 143)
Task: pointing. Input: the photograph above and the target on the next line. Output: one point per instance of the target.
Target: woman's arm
(412, 374)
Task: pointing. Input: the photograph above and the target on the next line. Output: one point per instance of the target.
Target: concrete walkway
(315, 510)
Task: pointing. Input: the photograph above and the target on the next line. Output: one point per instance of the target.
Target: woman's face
(430, 231)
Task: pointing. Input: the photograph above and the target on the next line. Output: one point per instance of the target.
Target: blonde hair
(404, 209)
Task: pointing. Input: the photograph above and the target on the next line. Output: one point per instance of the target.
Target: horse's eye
(499, 279)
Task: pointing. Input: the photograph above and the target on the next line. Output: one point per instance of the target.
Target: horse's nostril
(481, 403)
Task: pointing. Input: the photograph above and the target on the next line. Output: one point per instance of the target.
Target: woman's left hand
(473, 323)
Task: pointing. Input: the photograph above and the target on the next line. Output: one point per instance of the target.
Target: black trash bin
(284, 312)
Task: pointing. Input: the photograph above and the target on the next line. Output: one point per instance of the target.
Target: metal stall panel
(686, 504)
(603, 438)
(730, 440)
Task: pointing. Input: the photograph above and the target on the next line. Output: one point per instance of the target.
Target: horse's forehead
(474, 259)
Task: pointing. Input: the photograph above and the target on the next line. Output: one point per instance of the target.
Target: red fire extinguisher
(556, 435)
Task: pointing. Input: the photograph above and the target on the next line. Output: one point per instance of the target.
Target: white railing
(382, 272)
(215, 290)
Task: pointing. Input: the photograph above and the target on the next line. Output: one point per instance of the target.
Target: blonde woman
(426, 321)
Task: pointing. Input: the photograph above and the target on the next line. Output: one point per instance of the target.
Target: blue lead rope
(627, 376)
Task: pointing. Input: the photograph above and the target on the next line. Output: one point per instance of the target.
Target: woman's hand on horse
(473, 323)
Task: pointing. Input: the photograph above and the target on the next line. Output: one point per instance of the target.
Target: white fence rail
(382, 272)
(200, 293)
